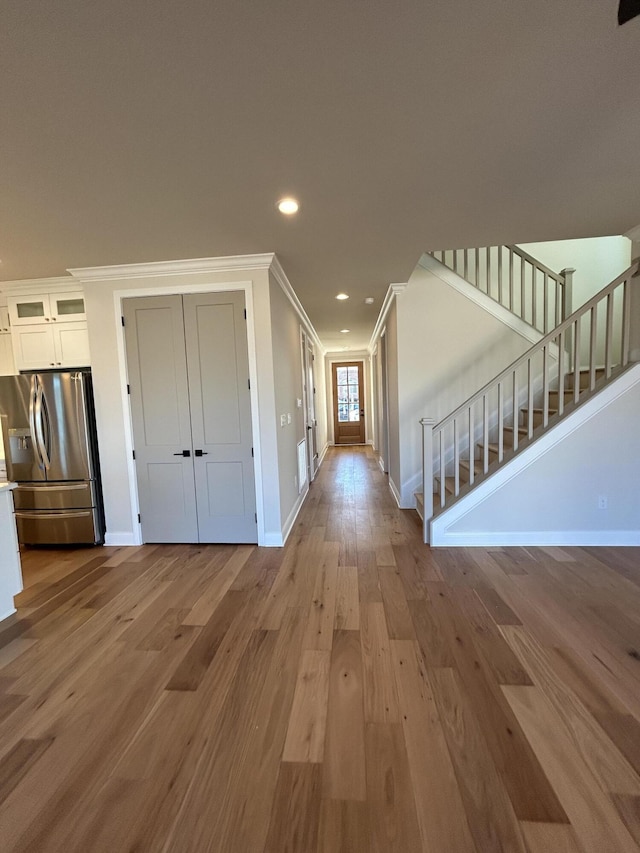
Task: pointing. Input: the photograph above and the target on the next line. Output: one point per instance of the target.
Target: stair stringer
(487, 303)
(624, 389)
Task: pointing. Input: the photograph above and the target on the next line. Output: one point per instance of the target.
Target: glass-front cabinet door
(31, 309)
(67, 307)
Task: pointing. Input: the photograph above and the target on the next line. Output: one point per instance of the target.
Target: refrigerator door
(62, 423)
(17, 415)
(55, 495)
(61, 527)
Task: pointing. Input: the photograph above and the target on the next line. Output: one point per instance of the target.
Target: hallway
(351, 692)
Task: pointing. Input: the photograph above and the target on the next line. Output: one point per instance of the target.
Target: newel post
(634, 310)
(567, 310)
(427, 475)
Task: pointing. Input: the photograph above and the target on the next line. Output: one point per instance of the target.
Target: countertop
(6, 486)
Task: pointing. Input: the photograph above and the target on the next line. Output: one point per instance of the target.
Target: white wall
(287, 372)
(395, 368)
(552, 498)
(597, 261)
(448, 348)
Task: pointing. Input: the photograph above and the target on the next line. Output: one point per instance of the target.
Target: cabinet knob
(54, 319)
(52, 363)
(47, 319)
(59, 363)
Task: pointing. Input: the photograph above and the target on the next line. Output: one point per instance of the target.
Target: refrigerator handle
(39, 419)
(32, 419)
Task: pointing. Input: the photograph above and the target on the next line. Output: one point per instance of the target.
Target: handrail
(516, 280)
(536, 263)
(578, 313)
(588, 343)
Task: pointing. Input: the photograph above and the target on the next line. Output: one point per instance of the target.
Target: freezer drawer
(55, 495)
(73, 527)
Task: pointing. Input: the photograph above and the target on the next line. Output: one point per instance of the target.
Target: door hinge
(122, 318)
(255, 515)
(245, 313)
(252, 452)
(128, 388)
(133, 453)
(139, 518)
(249, 384)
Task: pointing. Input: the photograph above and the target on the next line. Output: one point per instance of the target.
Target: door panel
(218, 371)
(160, 413)
(348, 403)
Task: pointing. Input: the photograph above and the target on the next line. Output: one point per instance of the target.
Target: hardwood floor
(353, 691)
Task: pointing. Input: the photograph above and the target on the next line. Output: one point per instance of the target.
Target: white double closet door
(191, 411)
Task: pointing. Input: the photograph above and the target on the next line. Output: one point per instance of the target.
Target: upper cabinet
(7, 365)
(34, 308)
(48, 325)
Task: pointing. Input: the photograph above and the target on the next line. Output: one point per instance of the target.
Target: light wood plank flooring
(352, 692)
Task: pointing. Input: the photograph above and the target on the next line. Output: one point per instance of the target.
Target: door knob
(183, 453)
(200, 453)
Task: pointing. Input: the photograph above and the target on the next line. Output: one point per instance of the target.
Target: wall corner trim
(280, 276)
(393, 291)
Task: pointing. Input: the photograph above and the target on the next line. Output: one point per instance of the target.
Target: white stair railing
(541, 385)
(515, 279)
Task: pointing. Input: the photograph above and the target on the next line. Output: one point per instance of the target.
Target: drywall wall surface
(448, 348)
(394, 378)
(596, 260)
(287, 375)
(583, 489)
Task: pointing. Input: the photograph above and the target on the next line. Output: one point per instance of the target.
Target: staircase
(580, 356)
(512, 277)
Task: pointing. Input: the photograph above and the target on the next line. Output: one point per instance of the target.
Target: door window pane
(342, 375)
(354, 412)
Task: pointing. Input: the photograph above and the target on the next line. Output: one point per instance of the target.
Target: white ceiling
(137, 131)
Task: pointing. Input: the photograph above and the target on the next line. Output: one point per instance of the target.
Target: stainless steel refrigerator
(48, 428)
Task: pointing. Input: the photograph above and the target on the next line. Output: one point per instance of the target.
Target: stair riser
(538, 417)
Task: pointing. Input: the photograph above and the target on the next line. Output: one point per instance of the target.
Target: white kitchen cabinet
(42, 308)
(10, 570)
(46, 347)
(7, 365)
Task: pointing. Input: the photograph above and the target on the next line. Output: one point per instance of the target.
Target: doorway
(309, 402)
(188, 376)
(348, 403)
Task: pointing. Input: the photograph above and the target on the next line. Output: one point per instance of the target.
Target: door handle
(200, 453)
(183, 453)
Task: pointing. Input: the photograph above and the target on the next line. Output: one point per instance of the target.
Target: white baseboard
(272, 540)
(537, 538)
(120, 540)
(395, 492)
(381, 464)
(7, 613)
(288, 525)
(322, 455)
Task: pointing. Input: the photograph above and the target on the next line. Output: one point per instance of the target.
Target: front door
(190, 405)
(348, 403)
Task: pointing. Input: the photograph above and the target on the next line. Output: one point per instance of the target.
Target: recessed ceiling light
(288, 206)
(344, 331)
(342, 296)
(369, 300)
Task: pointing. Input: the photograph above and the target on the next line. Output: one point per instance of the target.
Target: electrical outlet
(283, 420)
(602, 502)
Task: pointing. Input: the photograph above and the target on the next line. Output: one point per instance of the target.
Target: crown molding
(275, 267)
(392, 292)
(39, 285)
(159, 269)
